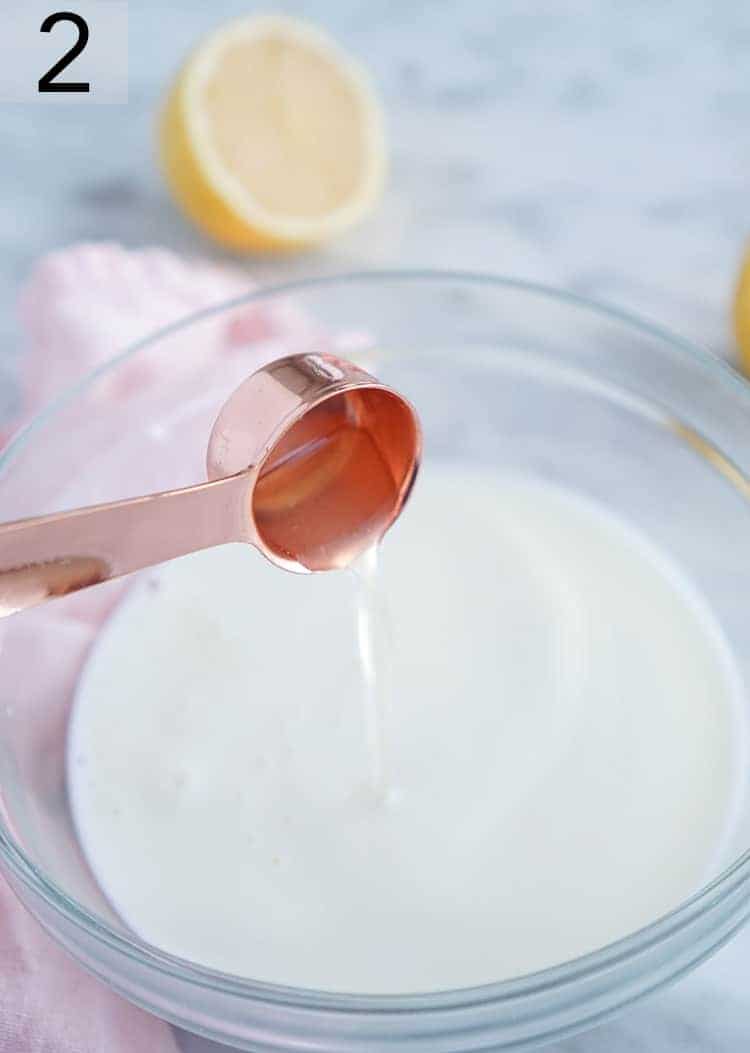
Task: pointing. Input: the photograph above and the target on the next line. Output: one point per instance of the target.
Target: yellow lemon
(742, 314)
(271, 137)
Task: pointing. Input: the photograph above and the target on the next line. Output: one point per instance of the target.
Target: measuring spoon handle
(53, 555)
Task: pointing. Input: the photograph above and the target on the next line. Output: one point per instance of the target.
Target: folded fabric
(84, 304)
(81, 306)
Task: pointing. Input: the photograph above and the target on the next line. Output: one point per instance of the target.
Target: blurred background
(599, 146)
(595, 145)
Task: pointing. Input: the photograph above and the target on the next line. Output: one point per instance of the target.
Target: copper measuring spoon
(311, 460)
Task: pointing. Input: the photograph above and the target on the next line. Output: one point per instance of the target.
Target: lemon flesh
(271, 137)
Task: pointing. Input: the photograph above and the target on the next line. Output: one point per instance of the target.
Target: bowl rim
(709, 897)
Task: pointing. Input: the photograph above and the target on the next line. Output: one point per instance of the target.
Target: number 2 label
(48, 82)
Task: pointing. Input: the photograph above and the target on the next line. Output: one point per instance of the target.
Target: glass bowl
(504, 373)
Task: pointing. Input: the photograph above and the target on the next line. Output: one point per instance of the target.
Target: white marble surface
(599, 145)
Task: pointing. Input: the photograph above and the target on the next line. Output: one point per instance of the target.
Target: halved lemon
(742, 313)
(272, 137)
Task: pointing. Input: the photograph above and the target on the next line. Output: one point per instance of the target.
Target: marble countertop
(597, 145)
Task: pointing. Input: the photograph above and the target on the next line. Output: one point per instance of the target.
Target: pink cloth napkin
(80, 306)
(84, 304)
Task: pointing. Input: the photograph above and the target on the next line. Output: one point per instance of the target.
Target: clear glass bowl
(503, 373)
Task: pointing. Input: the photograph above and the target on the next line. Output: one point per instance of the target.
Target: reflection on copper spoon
(310, 460)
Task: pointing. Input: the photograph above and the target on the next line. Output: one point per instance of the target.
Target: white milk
(557, 746)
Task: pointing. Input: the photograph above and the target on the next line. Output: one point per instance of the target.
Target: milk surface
(552, 766)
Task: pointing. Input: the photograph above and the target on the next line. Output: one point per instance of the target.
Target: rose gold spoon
(310, 460)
